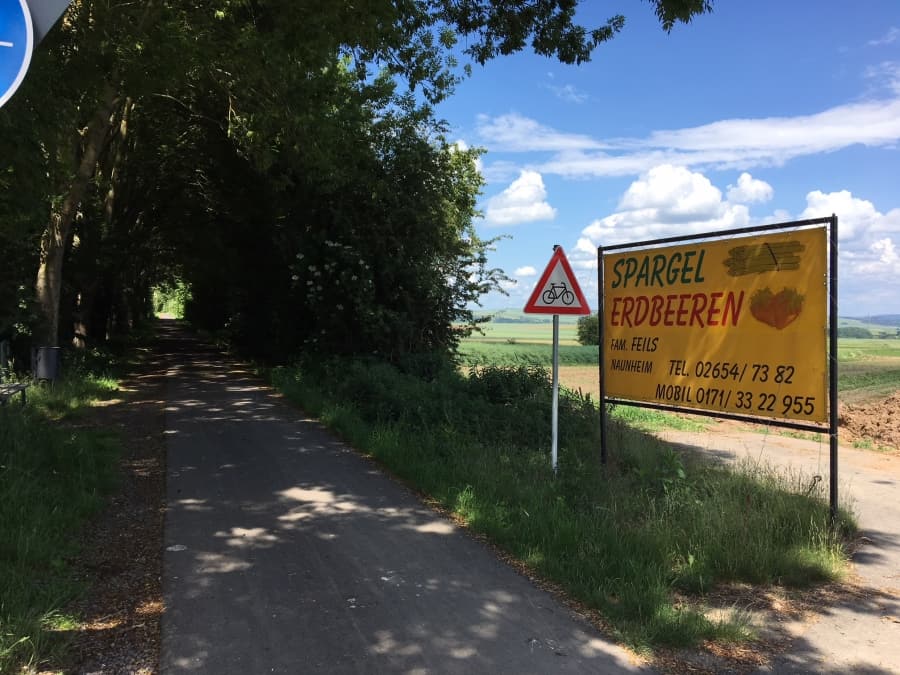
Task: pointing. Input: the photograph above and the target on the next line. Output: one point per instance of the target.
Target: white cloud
(677, 194)
(886, 252)
(780, 138)
(869, 265)
(890, 37)
(665, 201)
(527, 271)
(854, 215)
(568, 92)
(500, 171)
(885, 76)
(516, 133)
(726, 144)
(523, 201)
(671, 200)
(585, 245)
(749, 190)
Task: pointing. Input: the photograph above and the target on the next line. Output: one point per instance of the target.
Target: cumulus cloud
(527, 271)
(670, 200)
(854, 215)
(869, 266)
(523, 201)
(678, 195)
(749, 190)
(884, 252)
(666, 200)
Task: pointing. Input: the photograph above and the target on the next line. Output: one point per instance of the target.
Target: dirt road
(856, 630)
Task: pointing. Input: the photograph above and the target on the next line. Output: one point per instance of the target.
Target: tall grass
(53, 476)
(622, 541)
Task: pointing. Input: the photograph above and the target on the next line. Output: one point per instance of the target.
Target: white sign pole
(555, 437)
(557, 292)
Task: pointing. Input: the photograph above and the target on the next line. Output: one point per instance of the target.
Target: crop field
(531, 333)
(869, 369)
(526, 353)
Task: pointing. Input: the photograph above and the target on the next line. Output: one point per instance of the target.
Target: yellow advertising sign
(731, 326)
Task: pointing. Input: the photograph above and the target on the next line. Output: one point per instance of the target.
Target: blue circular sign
(16, 43)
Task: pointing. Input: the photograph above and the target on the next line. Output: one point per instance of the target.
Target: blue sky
(757, 113)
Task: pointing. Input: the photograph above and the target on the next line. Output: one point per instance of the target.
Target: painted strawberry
(776, 309)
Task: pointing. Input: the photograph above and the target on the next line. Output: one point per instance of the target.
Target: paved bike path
(287, 552)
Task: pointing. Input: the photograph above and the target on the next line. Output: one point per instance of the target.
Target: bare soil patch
(877, 422)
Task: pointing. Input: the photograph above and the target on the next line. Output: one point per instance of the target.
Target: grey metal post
(833, 365)
(601, 352)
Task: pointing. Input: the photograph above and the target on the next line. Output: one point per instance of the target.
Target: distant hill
(892, 320)
(881, 325)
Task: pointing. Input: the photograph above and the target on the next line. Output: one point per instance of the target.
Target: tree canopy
(282, 158)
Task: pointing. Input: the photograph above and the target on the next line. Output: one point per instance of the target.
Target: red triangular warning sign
(557, 291)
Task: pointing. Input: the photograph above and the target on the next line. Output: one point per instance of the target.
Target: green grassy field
(868, 370)
(525, 353)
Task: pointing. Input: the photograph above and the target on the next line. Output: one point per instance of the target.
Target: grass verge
(631, 542)
(53, 476)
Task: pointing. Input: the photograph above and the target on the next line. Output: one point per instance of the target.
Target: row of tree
(282, 158)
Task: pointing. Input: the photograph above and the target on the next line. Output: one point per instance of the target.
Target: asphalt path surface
(286, 552)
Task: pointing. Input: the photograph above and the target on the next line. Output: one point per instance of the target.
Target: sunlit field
(869, 369)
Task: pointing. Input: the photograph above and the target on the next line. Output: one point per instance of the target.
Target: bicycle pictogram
(558, 292)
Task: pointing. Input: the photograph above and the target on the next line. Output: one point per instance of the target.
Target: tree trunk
(84, 312)
(115, 158)
(56, 237)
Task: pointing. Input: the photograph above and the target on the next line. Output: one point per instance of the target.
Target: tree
(854, 332)
(206, 141)
(589, 329)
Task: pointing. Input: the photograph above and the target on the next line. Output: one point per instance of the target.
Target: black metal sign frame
(832, 426)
